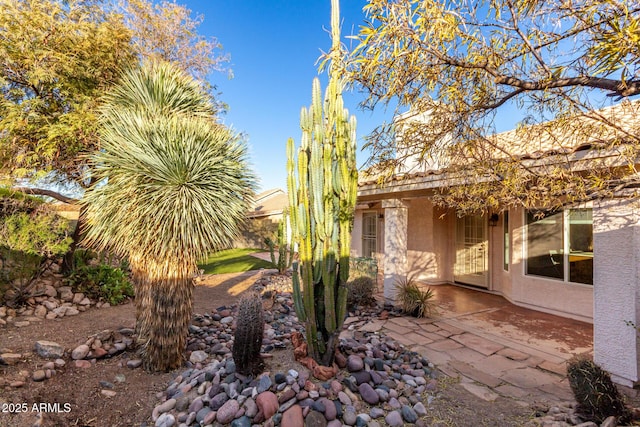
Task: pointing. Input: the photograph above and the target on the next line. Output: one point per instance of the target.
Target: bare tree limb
(43, 192)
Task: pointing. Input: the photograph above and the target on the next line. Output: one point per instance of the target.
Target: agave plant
(413, 300)
(173, 186)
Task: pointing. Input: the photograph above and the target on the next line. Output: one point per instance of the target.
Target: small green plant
(248, 335)
(413, 300)
(285, 250)
(597, 396)
(361, 291)
(102, 282)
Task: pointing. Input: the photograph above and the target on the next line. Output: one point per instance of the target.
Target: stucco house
(263, 217)
(582, 262)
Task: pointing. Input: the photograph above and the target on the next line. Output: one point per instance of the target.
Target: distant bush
(102, 282)
(363, 266)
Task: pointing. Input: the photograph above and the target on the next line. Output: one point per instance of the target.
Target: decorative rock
(162, 408)
(65, 292)
(80, 352)
(315, 419)
(292, 417)
(368, 394)
(227, 412)
(267, 403)
(394, 419)
(420, 409)
(408, 414)
(40, 311)
(264, 384)
(165, 420)
(330, 410)
(49, 349)
(243, 421)
(355, 363)
(71, 311)
(134, 363)
(39, 375)
(198, 356)
(83, 364)
(9, 358)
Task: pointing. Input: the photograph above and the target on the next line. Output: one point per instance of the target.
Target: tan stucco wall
(431, 257)
(549, 295)
(616, 226)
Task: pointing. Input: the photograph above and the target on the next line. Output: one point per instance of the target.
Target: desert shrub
(360, 291)
(102, 282)
(31, 237)
(413, 300)
(597, 396)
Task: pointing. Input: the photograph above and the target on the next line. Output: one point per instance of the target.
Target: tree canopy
(58, 57)
(459, 65)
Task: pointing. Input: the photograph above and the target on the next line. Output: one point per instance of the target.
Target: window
(560, 245)
(506, 241)
(369, 234)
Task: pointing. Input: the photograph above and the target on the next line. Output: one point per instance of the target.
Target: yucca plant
(173, 186)
(413, 300)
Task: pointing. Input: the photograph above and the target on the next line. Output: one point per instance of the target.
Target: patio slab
(530, 378)
(479, 344)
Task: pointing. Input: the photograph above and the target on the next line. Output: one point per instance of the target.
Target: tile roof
(533, 144)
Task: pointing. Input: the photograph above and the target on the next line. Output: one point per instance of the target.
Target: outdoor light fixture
(493, 220)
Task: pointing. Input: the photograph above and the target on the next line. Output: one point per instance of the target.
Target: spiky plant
(248, 335)
(173, 186)
(414, 300)
(321, 205)
(597, 396)
(285, 249)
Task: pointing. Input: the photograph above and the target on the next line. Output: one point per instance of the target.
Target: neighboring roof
(534, 145)
(270, 202)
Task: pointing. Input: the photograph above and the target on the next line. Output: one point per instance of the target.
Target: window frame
(566, 251)
(366, 236)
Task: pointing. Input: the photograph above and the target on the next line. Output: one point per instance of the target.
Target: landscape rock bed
(380, 383)
(48, 298)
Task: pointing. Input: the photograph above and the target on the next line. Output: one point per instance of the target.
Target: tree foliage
(460, 65)
(166, 31)
(57, 58)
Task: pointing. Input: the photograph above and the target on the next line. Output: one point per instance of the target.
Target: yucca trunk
(164, 305)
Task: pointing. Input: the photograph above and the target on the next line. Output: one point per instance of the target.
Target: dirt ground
(78, 392)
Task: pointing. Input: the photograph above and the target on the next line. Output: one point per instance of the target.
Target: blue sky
(274, 47)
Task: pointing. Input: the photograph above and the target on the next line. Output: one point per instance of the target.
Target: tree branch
(43, 192)
(618, 87)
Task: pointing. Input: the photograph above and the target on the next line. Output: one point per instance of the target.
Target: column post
(395, 245)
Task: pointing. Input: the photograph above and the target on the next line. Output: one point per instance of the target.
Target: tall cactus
(321, 204)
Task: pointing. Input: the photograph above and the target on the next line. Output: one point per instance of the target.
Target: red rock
(84, 364)
(267, 404)
(292, 417)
